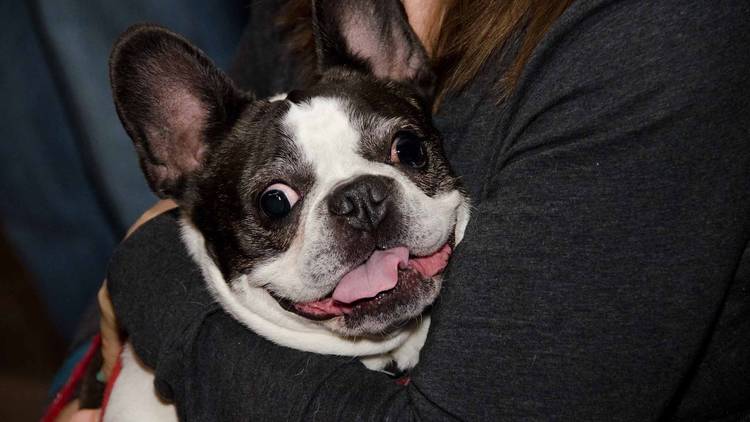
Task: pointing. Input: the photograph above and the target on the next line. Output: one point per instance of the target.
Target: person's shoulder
(642, 20)
(611, 69)
(684, 50)
(607, 35)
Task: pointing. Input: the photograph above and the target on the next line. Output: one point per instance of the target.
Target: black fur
(394, 52)
(152, 71)
(216, 155)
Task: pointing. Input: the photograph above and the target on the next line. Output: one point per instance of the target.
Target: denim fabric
(69, 179)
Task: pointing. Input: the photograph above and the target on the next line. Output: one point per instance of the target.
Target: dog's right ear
(173, 102)
(374, 37)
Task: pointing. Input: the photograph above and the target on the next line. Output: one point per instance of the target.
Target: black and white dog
(321, 219)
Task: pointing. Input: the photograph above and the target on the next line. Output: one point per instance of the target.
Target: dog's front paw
(406, 356)
(376, 362)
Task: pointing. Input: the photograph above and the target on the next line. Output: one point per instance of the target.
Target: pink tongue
(429, 266)
(378, 274)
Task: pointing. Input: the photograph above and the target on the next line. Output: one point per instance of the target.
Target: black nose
(363, 202)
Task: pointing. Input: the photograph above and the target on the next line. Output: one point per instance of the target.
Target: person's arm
(612, 219)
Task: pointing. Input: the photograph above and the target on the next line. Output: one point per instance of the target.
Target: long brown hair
(470, 32)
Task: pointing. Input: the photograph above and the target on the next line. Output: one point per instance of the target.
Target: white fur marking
(134, 397)
(328, 141)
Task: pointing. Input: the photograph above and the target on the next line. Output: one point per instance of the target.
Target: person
(605, 272)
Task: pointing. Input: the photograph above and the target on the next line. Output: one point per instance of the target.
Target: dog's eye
(277, 200)
(408, 149)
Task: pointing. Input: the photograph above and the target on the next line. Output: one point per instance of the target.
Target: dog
(322, 218)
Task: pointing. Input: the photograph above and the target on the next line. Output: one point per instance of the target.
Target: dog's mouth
(390, 275)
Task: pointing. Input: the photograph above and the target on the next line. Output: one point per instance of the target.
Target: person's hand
(110, 332)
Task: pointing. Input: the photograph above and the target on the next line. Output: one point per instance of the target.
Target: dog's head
(336, 199)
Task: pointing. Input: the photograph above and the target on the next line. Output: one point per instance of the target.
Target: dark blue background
(69, 180)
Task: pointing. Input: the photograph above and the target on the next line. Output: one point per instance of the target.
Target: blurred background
(69, 182)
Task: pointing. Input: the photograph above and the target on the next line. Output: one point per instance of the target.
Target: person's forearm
(279, 382)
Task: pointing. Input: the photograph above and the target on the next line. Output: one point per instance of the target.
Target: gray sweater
(605, 274)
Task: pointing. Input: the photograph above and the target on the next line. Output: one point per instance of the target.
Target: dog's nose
(362, 202)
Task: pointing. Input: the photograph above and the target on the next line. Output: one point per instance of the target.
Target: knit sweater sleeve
(599, 276)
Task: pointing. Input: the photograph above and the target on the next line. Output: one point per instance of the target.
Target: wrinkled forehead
(337, 138)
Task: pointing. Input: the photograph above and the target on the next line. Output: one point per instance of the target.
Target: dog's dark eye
(408, 149)
(277, 200)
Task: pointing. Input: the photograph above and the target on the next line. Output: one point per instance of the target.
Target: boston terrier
(321, 219)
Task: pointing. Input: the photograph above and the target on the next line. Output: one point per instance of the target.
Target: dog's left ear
(374, 37)
(174, 103)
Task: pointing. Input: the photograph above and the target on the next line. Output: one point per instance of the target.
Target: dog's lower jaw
(255, 308)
